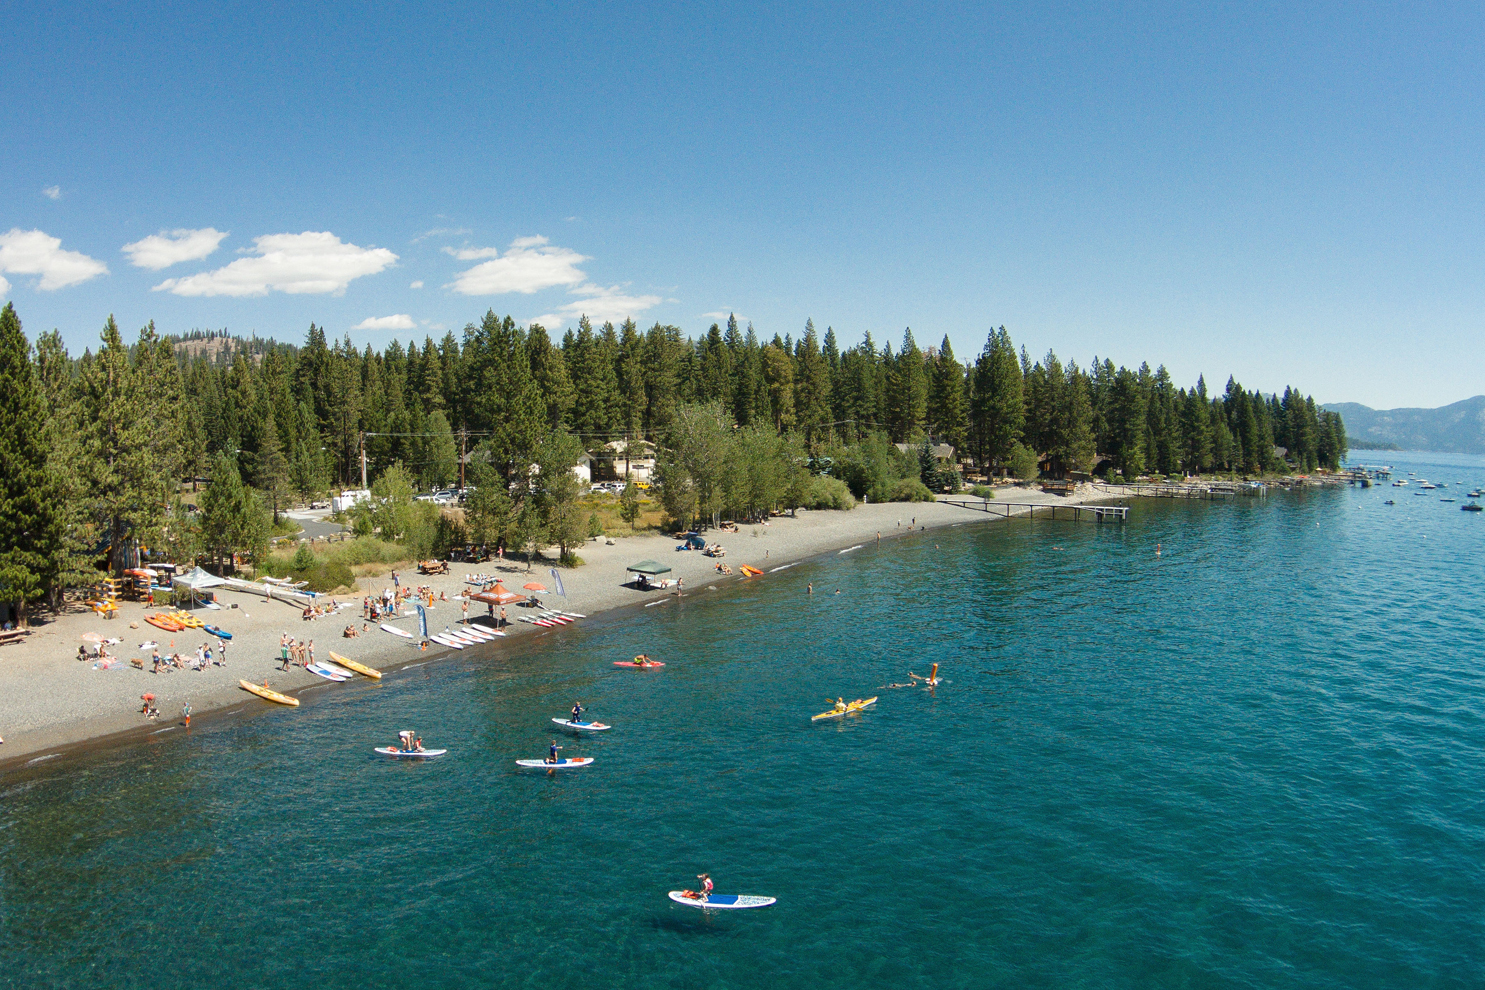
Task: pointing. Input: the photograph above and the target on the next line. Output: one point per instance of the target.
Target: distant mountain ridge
(1458, 428)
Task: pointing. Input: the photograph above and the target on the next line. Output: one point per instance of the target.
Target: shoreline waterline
(73, 725)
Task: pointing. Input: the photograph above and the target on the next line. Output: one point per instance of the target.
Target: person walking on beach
(503, 621)
(310, 652)
(156, 657)
(464, 609)
(221, 652)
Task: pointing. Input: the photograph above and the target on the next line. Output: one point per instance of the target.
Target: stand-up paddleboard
(336, 669)
(568, 723)
(443, 640)
(359, 668)
(417, 754)
(721, 902)
(326, 673)
(564, 764)
(854, 706)
(575, 615)
(557, 617)
(396, 632)
(218, 632)
(262, 691)
(639, 666)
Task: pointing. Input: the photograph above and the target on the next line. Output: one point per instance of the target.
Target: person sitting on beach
(82, 654)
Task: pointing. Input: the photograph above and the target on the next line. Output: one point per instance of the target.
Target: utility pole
(363, 459)
(463, 436)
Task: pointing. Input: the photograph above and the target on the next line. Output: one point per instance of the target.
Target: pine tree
(549, 369)
(997, 408)
(811, 384)
(30, 520)
(946, 409)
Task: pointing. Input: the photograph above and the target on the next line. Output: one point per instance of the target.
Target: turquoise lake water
(1253, 761)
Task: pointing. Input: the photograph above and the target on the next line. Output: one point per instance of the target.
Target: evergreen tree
(997, 406)
(30, 519)
(907, 390)
(946, 408)
(550, 373)
(811, 383)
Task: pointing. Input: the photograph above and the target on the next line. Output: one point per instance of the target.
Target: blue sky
(1289, 195)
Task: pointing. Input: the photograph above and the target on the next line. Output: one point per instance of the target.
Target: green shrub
(304, 558)
(326, 577)
(909, 490)
(595, 525)
(828, 493)
(1023, 462)
(982, 491)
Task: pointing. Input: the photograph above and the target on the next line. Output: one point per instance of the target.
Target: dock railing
(1043, 510)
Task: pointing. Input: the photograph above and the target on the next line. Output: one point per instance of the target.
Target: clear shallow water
(1252, 761)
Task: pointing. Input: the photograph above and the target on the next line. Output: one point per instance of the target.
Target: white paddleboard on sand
(315, 668)
(420, 754)
(335, 669)
(576, 761)
(721, 902)
(443, 640)
(396, 632)
(568, 723)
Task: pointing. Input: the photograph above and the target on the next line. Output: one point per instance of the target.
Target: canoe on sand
(262, 691)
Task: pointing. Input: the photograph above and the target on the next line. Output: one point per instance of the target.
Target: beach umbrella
(534, 586)
(147, 697)
(91, 637)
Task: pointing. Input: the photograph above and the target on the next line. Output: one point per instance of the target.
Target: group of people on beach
(203, 657)
(292, 652)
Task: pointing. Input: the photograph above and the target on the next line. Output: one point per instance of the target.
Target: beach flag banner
(422, 621)
(557, 583)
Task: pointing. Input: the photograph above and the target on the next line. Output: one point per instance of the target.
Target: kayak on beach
(359, 668)
(266, 694)
(581, 726)
(849, 707)
(562, 764)
(218, 632)
(422, 754)
(750, 571)
(727, 902)
(396, 632)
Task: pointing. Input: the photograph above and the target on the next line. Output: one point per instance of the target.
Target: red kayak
(641, 666)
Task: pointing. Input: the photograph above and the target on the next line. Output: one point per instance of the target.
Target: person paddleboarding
(706, 885)
(552, 753)
(577, 712)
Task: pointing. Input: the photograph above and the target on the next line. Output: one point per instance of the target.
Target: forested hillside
(108, 437)
(1458, 428)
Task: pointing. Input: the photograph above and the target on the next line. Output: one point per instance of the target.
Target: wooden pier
(1210, 490)
(1043, 510)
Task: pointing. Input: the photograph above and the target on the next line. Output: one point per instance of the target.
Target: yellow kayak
(187, 619)
(262, 691)
(854, 706)
(359, 668)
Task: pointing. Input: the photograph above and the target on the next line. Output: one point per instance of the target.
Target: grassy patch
(606, 508)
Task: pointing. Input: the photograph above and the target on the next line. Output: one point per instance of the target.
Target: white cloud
(168, 248)
(529, 265)
(32, 252)
(4, 286)
(52, 192)
(416, 285)
(441, 232)
(722, 314)
(309, 263)
(598, 305)
(400, 321)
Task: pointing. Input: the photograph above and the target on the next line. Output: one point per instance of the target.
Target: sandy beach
(54, 701)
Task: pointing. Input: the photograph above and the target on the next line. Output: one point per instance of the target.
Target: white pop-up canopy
(196, 579)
